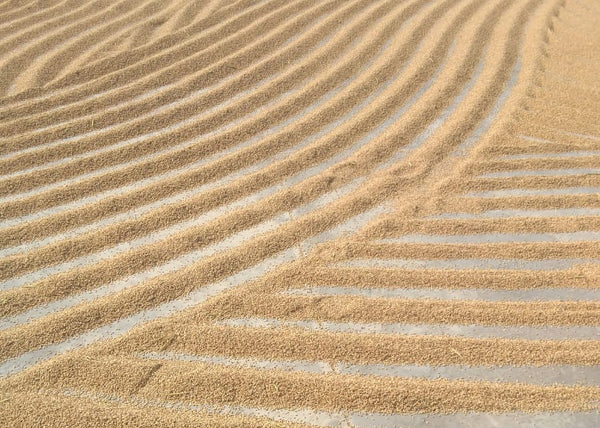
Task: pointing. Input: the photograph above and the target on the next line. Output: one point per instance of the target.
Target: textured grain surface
(331, 213)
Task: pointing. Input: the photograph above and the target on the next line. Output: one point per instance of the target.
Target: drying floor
(289, 213)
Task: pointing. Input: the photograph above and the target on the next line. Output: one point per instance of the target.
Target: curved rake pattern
(266, 212)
